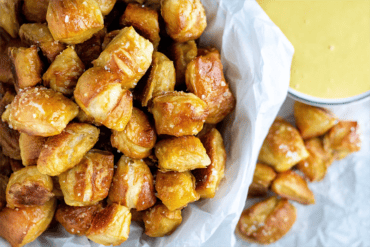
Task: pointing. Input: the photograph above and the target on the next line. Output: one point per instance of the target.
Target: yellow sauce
(331, 39)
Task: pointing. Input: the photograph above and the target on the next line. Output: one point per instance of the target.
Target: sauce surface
(331, 39)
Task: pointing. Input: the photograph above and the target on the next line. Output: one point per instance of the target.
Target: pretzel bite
(205, 78)
(315, 166)
(89, 182)
(90, 50)
(110, 226)
(262, 179)
(129, 55)
(182, 154)
(144, 20)
(161, 78)
(185, 19)
(178, 113)
(138, 138)
(3, 183)
(21, 226)
(182, 54)
(38, 34)
(267, 221)
(64, 71)
(64, 151)
(159, 221)
(9, 138)
(40, 111)
(106, 6)
(132, 185)
(74, 21)
(9, 16)
(343, 139)
(26, 66)
(28, 187)
(312, 121)
(76, 220)
(99, 93)
(176, 189)
(292, 186)
(30, 147)
(283, 146)
(209, 178)
(35, 10)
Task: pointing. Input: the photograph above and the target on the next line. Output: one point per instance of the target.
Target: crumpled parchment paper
(256, 58)
(341, 214)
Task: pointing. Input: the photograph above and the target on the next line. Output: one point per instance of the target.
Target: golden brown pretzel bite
(21, 226)
(129, 55)
(64, 151)
(159, 221)
(138, 138)
(176, 189)
(106, 6)
(88, 182)
(283, 146)
(40, 111)
(30, 147)
(35, 10)
(262, 179)
(110, 226)
(178, 113)
(132, 185)
(9, 16)
(185, 19)
(74, 21)
(64, 71)
(27, 187)
(99, 93)
(209, 178)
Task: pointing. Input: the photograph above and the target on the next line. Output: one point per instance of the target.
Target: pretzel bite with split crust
(64, 151)
(9, 16)
(176, 189)
(128, 55)
(209, 178)
(262, 179)
(185, 19)
(178, 113)
(205, 78)
(89, 182)
(3, 183)
(159, 221)
(292, 186)
(144, 20)
(99, 93)
(138, 138)
(76, 220)
(110, 226)
(267, 221)
(30, 147)
(283, 146)
(343, 139)
(40, 111)
(26, 66)
(9, 138)
(27, 187)
(35, 10)
(64, 71)
(21, 226)
(132, 185)
(315, 166)
(161, 78)
(74, 21)
(39, 35)
(182, 54)
(312, 121)
(181, 154)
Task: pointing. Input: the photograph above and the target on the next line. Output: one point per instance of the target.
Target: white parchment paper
(256, 57)
(341, 214)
